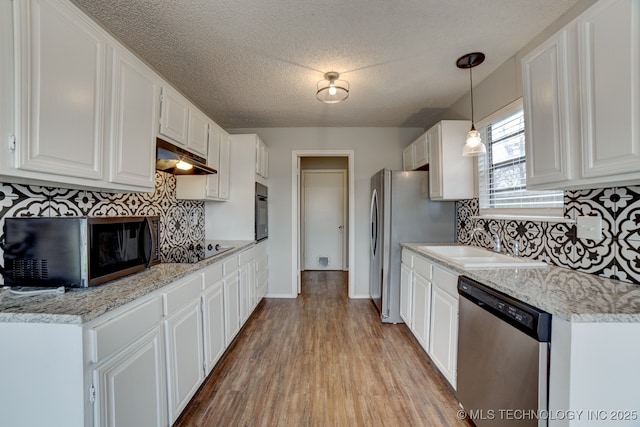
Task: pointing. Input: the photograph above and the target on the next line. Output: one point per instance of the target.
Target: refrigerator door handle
(373, 222)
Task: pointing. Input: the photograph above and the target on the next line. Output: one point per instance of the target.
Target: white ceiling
(255, 63)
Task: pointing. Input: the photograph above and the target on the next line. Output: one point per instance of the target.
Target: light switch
(589, 227)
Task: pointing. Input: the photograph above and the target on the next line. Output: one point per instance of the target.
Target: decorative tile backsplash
(616, 255)
(181, 221)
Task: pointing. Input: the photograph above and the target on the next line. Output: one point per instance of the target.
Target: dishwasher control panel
(530, 320)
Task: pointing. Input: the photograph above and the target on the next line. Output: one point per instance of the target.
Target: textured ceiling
(255, 63)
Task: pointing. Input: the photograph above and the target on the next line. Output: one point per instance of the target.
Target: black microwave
(78, 251)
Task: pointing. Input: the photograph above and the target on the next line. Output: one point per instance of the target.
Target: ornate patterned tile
(628, 261)
(628, 219)
(529, 235)
(600, 202)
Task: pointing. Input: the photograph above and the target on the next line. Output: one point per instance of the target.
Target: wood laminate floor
(323, 360)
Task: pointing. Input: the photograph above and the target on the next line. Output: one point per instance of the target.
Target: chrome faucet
(497, 246)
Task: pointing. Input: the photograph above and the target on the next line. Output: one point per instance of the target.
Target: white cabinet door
(406, 291)
(435, 162)
(224, 166)
(444, 333)
(262, 159)
(408, 158)
(421, 309)
(421, 151)
(134, 121)
(450, 174)
(130, 387)
(218, 158)
(231, 307)
(213, 160)
(198, 135)
(174, 116)
(61, 83)
(213, 315)
(609, 71)
(247, 283)
(185, 365)
(262, 270)
(547, 112)
(443, 342)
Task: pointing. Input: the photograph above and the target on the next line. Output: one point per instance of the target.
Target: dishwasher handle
(531, 320)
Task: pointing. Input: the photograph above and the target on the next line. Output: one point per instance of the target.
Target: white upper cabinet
(214, 186)
(416, 154)
(409, 158)
(61, 81)
(547, 111)
(174, 116)
(86, 113)
(450, 174)
(134, 120)
(262, 159)
(198, 132)
(182, 123)
(581, 93)
(609, 71)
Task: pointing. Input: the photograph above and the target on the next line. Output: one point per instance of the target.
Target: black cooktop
(192, 252)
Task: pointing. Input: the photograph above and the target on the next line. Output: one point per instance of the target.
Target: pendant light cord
(473, 127)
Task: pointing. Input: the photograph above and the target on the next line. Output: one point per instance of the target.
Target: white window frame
(530, 213)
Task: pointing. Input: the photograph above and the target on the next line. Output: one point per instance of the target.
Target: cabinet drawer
(446, 281)
(212, 275)
(181, 294)
(407, 258)
(422, 267)
(246, 256)
(229, 265)
(116, 333)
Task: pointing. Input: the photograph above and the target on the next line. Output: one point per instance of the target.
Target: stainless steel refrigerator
(401, 212)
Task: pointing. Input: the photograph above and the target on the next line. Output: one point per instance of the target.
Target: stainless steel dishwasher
(503, 358)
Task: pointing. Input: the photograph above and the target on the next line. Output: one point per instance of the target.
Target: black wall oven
(262, 213)
(78, 251)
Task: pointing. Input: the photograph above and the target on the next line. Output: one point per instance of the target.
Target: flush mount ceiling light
(473, 145)
(331, 90)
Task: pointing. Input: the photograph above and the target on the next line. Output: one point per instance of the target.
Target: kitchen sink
(475, 257)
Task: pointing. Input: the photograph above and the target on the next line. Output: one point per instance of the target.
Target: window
(502, 171)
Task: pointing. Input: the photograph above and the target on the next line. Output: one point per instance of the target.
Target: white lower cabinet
(406, 291)
(429, 307)
(421, 309)
(231, 300)
(443, 342)
(262, 271)
(130, 388)
(247, 283)
(185, 364)
(127, 367)
(213, 316)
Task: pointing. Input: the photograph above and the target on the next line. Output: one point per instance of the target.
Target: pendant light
(473, 145)
(331, 90)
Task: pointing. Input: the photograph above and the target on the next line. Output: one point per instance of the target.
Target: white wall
(374, 149)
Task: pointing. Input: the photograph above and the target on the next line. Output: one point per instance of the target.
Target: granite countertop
(571, 295)
(80, 305)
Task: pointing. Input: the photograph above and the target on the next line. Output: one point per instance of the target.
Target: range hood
(175, 160)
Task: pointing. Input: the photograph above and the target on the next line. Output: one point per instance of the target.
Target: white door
(324, 218)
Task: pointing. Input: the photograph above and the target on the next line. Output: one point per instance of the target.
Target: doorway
(297, 210)
(324, 212)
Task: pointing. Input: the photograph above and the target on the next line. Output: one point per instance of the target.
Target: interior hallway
(323, 360)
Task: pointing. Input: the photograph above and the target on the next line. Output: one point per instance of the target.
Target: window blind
(502, 171)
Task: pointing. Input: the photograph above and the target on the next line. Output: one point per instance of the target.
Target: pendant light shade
(331, 90)
(473, 146)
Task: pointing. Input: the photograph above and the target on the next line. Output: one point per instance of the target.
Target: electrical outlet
(589, 227)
